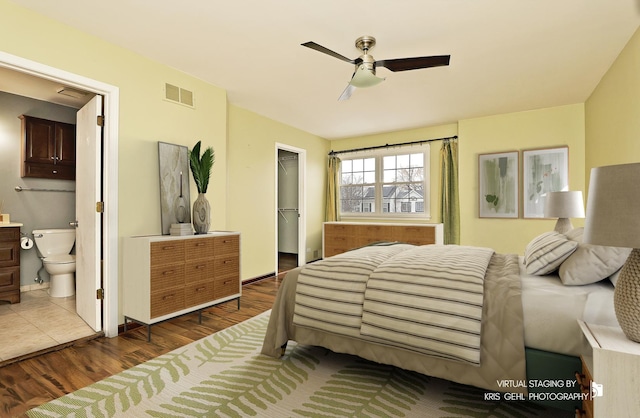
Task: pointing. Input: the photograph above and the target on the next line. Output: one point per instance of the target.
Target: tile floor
(38, 322)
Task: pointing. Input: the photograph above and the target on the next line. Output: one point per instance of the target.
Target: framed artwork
(543, 170)
(498, 185)
(174, 185)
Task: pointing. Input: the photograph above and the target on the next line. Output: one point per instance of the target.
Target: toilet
(55, 245)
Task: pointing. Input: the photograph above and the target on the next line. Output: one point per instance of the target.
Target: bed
(530, 308)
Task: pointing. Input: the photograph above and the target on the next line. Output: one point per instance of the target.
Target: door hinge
(100, 294)
(100, 120)
(100, 207)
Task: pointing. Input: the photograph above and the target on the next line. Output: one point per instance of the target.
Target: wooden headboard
(338, 237)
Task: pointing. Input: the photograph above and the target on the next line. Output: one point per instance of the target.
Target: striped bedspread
(426, 299)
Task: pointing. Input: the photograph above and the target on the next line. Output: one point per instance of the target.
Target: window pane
(417, 160)
(389, 176)
(370, 164)
(403, 161)
(389, 162)
(354, 199)
(404, 198)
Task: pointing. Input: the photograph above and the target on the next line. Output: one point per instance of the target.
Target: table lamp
(613, 209)
(564, 205)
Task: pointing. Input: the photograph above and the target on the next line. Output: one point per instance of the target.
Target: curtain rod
(392, 145)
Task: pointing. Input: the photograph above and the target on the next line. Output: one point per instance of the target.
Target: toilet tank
(54, 241)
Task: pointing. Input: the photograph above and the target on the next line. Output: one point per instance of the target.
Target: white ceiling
(506, 55)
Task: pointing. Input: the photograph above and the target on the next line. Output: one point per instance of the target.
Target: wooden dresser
(10, 263)
(168, 276)
(338, 237)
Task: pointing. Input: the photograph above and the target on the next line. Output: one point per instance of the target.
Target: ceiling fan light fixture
(365, 77)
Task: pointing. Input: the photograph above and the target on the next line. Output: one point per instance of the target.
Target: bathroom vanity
(10, 262)
(165, 276)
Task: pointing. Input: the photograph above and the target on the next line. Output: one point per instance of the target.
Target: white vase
(201, 214)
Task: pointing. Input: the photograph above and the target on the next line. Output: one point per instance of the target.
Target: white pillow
(614, 277)
(592, 263)
(546, 252)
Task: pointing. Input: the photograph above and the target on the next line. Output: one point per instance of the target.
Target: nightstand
(614, 368)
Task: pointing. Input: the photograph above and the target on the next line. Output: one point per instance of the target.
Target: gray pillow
(591, 263)
(546, 252)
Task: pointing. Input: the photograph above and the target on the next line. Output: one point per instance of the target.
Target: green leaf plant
(201, 166)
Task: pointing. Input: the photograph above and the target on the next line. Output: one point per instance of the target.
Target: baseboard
(36, 286)
(257, 279)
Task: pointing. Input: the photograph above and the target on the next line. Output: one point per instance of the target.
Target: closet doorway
(290, 201)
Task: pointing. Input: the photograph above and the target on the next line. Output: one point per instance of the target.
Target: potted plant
(201, 169)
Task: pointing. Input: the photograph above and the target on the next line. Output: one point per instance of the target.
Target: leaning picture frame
(174, 185)
(543, 170)
(498, 188)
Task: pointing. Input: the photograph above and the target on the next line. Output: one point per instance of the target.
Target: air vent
(178, 95)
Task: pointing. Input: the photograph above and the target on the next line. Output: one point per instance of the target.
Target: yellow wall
(409, 135)
(545, 128)
(252, 186)
(145, 117)
(613, 112)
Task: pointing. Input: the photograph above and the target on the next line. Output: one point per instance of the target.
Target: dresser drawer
(198, 270)
(9, 278)
(167, 276)
(9, 253)
(199, 248)
(227, 286)
(227, 245)
(226, 265)
(10, 234)
(167, 301)
(198, 293)
(167, 252)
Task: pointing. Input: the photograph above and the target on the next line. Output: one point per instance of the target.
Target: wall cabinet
(10, 264)
(48, 149)
(168, 276)
(338, 237)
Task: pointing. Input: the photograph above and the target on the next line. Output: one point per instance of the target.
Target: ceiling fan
(365, 72)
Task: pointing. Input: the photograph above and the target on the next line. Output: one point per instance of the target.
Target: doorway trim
(302, 202)
(111, 96)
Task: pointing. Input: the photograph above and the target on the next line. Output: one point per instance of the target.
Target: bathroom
(38, 321)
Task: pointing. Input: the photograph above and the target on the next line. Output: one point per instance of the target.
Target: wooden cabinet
(10, 264)
(609, 373)
(167, 276)
(338, 237)
(48, 149)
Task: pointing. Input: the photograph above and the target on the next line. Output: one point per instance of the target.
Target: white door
(88, 219)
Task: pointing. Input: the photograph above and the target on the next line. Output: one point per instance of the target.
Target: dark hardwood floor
(32, 382)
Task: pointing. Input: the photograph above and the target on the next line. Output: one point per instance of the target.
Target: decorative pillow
(592, 263)
(546, 252)
(614, 277)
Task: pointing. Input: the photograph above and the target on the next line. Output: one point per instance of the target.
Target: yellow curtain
(331, 210)
(450, 204)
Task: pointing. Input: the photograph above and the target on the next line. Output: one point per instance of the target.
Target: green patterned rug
(224, 375)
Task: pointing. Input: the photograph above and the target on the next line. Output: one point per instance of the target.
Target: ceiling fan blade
(327, 51)
(404, 64)
(346, 94)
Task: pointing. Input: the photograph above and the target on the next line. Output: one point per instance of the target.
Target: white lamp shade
(564, 205)
(613, 206)
(365, 77)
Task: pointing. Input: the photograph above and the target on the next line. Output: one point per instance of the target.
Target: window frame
(379, 155)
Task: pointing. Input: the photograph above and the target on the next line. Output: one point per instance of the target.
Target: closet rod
(392, 145)
(35, 189)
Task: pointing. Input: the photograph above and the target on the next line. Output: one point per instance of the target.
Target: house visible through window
(392, 184)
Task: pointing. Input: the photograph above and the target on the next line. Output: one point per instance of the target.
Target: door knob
(73, 224)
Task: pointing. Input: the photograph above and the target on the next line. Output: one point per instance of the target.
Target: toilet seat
(60, 259)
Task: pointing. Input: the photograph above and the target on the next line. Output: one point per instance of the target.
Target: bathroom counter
(10, 224)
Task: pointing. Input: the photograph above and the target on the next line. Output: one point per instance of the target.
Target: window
(390, 184)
